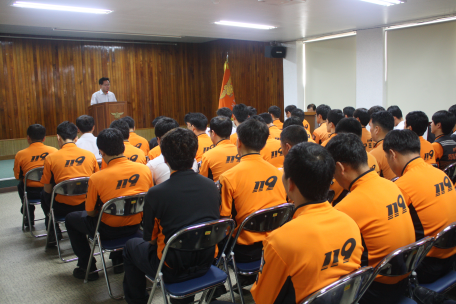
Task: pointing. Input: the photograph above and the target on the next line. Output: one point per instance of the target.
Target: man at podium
(103, 95)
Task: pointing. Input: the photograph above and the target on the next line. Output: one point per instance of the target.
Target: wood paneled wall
(48, 81)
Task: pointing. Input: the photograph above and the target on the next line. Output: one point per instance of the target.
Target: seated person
(86, 126)
(348, 112)
(380, 124)
(252, 111)
(334, 116)
(296, 121)
(363, 117)
(293, 267)
(444, 146)
(274, 131)
(134, 139)
(103, 186)
(397, 115)
(28, 159)
(197, 123)
(224, 155)
(452, 110)
(225, 112)
(291, 136)
(320, 134)
(275, 111)
(132, 153)
(272, 152)
(311, 108)
(372, 110)
(370, 196)
(431, 211)
(240, 114)
(418, 121)
(170, 207)
(288, 110)
(69, 162)
(300, 113)
(153, 142)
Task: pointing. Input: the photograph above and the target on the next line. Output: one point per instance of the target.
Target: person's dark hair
(110, 141)
(349, 125)
(154, 122)
(122, 126)
(298, 113)
(224, 112)
(363, 115)
(452, 110)
(130, 121)
(164, 125)
(383, 119)
(253, 133)
(252, 110)
(402, 141)
(266, 117)
(311, 168)
(348, 148)
(335, 116)
(323, 110)
(349, 111)
(85, 123)
(222, 126)
(102, 79)
(241, 112)
(418, 120)
(292, 121)
(311, 106)
(275, 110)
(375, 109)
(446, 119)
(67, 130)
(198, 120)
(289, 108)
(179, 147)
(257, 117)
(395, 111)
(293, 135)
(36, 132)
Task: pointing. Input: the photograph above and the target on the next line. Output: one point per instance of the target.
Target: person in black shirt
(185, 199)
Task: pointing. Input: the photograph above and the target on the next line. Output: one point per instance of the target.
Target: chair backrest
(72, 187)
(394, 179)
(446, 238)
(125, 205)
(346, 290)
(450, 171)
(33, 175)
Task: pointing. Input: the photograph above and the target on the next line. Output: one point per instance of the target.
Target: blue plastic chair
(33, 175)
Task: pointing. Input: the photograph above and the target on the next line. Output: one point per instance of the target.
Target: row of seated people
(242, 176)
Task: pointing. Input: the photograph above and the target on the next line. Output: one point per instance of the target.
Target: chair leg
(94, 244)
(237, 278)
(165, 296)
(230, 286)
(154, 287)
(106, 272)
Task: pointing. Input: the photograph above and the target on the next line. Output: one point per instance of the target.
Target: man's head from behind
(291, 136)
(36, 133)
(334, 116)
(197, 122)
(298, 113)
(417, 121)
(110, 142)
(288, 110)
(349, 125)
(179, 147)
(66, 131)
(252, 111)
(375, 109)
(122, 126)
(442, 123)
(130, 121)
(252, 136)
(224, 112)
(400, 147)
(275, 112)
(220, 127)
(267, 118)
(156, 120)
(240, 113)
(85, 124)
(322, 113)
(348, 111)
(292, 121)
(164, 125)
(362, 115)
(380, 124)
(397, 114)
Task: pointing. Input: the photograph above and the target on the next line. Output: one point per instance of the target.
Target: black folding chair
(33, 175)
(450, 171)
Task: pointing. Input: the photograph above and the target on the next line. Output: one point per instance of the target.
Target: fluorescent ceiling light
(421, 23)
(53, 7)
(385, 2)
(331, 37)
(113, 33)
(249, 25)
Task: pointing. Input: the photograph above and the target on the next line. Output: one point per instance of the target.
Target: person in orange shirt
(370, 198)
(275, 111)
(291, 136)
(121, 178)
(134, 139)
(296, 121)
(272, 151)
(293, 265)
(334, 116)
(197, 123)
(300, 113)
(240, 114)
(348, 112)
(274, 131)
(320, 134)
(362, 115)
(288, 110)
(380, 124)
(418, 121)
(28, 159)
(444, 146)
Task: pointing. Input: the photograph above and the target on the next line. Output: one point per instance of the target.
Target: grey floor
(28, 274)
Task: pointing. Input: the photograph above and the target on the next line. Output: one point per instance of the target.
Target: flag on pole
(227, 93)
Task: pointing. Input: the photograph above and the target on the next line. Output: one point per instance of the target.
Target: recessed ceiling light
(446, 19)
(331, 37)
(248, 25)
(53, 7)
(385, 2)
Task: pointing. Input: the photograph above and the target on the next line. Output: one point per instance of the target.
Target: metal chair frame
(450, 171)
(33, 175)
(59, 189)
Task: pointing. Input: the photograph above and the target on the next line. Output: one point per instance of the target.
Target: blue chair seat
(249, 267)
(119, 243)
(59, 218)
(443, 284)
(405, 300)
(34, 201)
(214, 276)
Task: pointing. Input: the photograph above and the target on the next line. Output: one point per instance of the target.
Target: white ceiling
(194, 19)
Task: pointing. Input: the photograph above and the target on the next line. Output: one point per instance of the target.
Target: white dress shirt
(160, 170)
(89, 142)
(100, 97)
(400, 126)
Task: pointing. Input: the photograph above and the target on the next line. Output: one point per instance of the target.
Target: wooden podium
(312, 120)
(107, 112)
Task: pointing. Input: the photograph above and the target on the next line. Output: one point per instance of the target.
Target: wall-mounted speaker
(275, 51)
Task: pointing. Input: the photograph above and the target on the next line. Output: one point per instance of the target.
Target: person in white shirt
(227, 113)
(86, 126)
(103, 95)
(399, 123)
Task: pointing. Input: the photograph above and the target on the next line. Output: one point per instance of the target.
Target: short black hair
(294, 135)
(253, 134)
(241, 112)
(224, 112)
(395, 111)
(418, 120)
(298, 113)
(384, 120)
(154, 122)
(452, 110)
(375, 109)
(446, 119)
(323, 110)
(252, 110)
(275, 110)
(266, 117)
(102, 79)
(122, 126)
(36, 132)
(349, 125)
(179, 147)
(349, 149)
(402, 141)
(198, 120)
(311, 168)
(292, 121)
(257, 117)
(289, 108)
(164, 125)
(110, 141)
(335, 116)
(222, 126)
(85, 123)
(363, 115)
(130, 121)
(349, 111)
(67, 130)
(311, 106)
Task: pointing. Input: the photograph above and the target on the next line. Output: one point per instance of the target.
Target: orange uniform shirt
(331, 135)
(154, 152)
(306, 125)
(278, 123)
(431, 198)
(320, 134)
(69, 162)
(219, 159)
(317, 247)
(427, 151)
(379, 209)
(233, 138)
(132, 153)
(139, 142)
(30, 158)
(274, 131)
(121, 178)
(379, 154)
(272, 152)
(366, 138)
(251, 185)
(204, 145)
